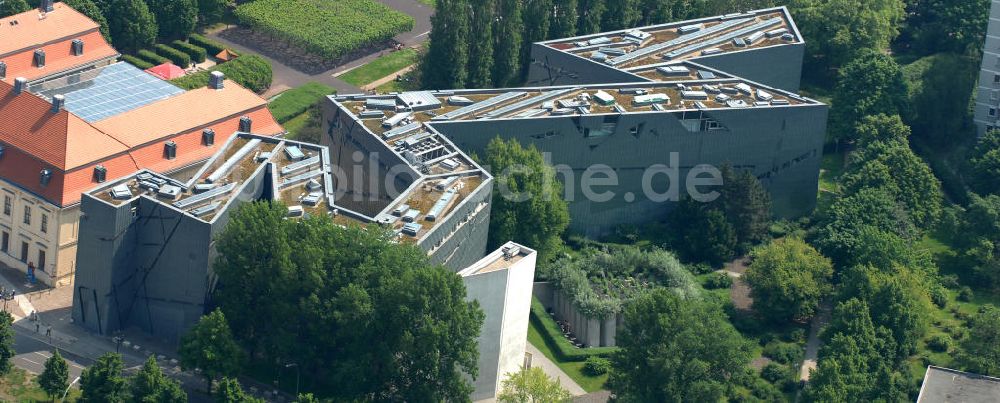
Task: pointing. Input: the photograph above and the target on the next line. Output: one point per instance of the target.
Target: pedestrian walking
(37, 327)
(48, 330)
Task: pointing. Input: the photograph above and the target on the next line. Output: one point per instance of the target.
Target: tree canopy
(212, 11)
(674, 349)
(870, 84)
(210, 347)
(836, 31)
(7, 351)
(527, 198)
(149, 385)
(104, 382)
(531, 385)
(11, 7)
(54, 379)
(787, 279)
(981, 346)
(337, 295)
(92, 11)
(230, 391)
(132, 25)
(985, 164)
(175, 18)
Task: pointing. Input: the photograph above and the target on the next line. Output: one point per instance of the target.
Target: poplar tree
(447, 56)
(507, 51)
(483, 13)
(564, 18)
(590, 12)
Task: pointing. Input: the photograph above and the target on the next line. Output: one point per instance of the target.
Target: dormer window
(77, 47)
(39, 59)
(208, 137)
(170, 150)
(46, 176)
(100, 174)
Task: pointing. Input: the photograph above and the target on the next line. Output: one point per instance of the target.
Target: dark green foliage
(981, 347)
(620, 15)
(137, 62)
(897, 301)
(965, 294)
(527, 199)
(7, 352)
(940, 88)
(337, 293)
(176, 57)
(296, 101)
(197, 54)
(507, 48)
(176, 18)
(944, 25)
(151, 57)
(871, 84)
(212, 11)
(92, 11)
(837, 31)
(564, 18)
(985, 164)
(589, 14)
(210, 347)
(251, 71)
(132, 25)
(11, 7)
(212, 47)
(445, 65)
(784, 353)
(939, 342)
(787, 279)
(977, 237)
(149, 385)
(557, 342)
(596, 366)
(230, 391)
(54, 379)
(537, 22)
(695, 348)
(870, 215)
(939, 296)
(103, 381)
(718, 280)
(484, 13)
(773, 372)
(705, 235)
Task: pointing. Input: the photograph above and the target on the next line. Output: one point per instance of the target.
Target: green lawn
(380, 67)
(20, 386)
(574, 369)
(294, 102)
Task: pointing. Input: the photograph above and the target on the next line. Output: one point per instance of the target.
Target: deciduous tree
(507, 42)
(836, 31)
(787, 279)
(446, 63)
(149, 385)
(672, 347)
(981, 346)
(209, 346)
(7, 351)
(870, 84)
(212, 11)
(104, 382)
(483, 16)
(55, 377)
(985, 164)
(230, 391)
(175, 18)
(132, 25)
(11, 7)
(532, 385)
(92, 11)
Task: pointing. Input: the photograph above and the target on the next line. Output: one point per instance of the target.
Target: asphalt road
(33, 350)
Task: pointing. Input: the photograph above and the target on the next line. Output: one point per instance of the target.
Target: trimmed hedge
(250, 71)
(177, 57)
(150, 57)
(555, 340)
(137, 62)
(212, 47)
(296, 101)
(197, 53)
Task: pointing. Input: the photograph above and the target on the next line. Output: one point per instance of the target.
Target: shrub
(949, 281)
(965, 294)
(329, 29)
(151, 57)
(773, 372)
(700, 268)
(177, 57)
(797, 336)
(250, 71)
(939, 343)
(137, 62)
(718, 280)
(296, 101)
(210, 46)
(939, 296)
(595, 366)
(765, 391)
(785, 353)
(197, 53)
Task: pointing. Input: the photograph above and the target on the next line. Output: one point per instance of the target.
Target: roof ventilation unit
(687, 29)
(170, 149)
(706, 75)
(754, 37)
(369, 114)
(295, 211)
(312, 199)
(208, 137)
(739, 42)
(412, 228)
(246, 124)
(440, 205)
(632, 91)
(77, 47)
(20, 84)
(699, 95)
(203, 210)
(636, 35)
(46, 177)
(100, 173)
(395, 119)
(216, 80)
(169, 192)
(294, 153)
(744, 88)
(644, 100)
(599, 56)
(39, 58)
(764, 96)
(776, 33)
(401, 209)
(510, 251)
(411, 215)
(446, 183)
(58, 101)
(382, 104)
(673, 71)
(457, 100)
(450, 164)
(711, 51)
(612, 51)
(121, 192)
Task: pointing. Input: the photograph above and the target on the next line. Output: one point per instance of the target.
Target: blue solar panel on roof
(99, 94)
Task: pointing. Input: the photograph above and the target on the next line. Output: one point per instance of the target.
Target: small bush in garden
(965, 294)
(719, 280)
(939, 343)
(785, 353)
(939, 296)
(596, 366)
(773, 372)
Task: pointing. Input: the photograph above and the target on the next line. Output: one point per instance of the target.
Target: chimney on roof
(3, 70)
(46, 6)
(245, 124)
(216, 80)
(58, 101)
(20, 84)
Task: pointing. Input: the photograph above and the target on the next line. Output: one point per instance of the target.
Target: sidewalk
(540, 360)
